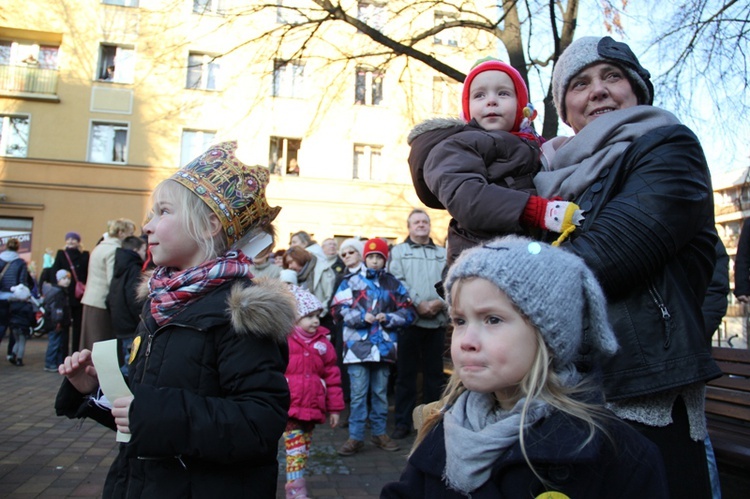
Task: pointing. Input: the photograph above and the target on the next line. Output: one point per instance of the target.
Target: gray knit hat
(552, 287)
(589, 50)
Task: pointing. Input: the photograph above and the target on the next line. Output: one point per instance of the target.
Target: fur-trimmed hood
(265, 308)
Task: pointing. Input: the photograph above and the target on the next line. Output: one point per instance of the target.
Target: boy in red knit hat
(480, 168)
(373, 306)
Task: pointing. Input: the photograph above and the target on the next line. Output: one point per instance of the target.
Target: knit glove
(552, 214)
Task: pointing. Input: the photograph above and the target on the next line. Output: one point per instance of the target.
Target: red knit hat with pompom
(490, 64)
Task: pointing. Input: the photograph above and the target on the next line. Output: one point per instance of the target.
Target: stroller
(38, 330)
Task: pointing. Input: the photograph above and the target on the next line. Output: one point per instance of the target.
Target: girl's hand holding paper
(120, 410)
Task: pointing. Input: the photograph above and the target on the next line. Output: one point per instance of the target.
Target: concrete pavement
(42, 455)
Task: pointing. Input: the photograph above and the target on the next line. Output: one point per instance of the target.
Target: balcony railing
(29, 80)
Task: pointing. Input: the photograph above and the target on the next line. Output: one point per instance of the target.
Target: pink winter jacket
(314, 377)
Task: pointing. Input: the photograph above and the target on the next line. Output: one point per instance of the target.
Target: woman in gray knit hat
(642, 180)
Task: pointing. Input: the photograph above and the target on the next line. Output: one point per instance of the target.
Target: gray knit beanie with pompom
(589, 50)
(552, 287)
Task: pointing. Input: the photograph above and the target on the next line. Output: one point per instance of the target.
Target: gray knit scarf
(571, 164)
(477, 432)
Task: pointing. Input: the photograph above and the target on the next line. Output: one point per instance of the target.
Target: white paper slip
(111, 381)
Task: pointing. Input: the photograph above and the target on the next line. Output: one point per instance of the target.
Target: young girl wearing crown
(207, 365)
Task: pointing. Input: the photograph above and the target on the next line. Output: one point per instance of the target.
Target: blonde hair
(194, 215)
(121, 225)
(539, 383)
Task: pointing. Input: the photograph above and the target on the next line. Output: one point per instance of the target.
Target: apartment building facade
(102, 99)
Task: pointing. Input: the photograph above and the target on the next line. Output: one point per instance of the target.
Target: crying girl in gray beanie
(516, 411)
(554, 291)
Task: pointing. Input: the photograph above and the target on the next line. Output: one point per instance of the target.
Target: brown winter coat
(483, 178)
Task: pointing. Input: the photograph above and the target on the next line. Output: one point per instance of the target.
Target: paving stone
(45, 456)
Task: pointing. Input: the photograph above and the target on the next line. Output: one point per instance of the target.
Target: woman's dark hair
(132, 243)
(13, 244)
(299, 255)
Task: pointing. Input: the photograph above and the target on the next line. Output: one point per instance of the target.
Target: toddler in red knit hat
(480, 168)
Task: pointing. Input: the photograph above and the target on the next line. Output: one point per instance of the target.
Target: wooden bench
(728, 408)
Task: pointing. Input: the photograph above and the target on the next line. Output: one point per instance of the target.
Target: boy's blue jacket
(632, 468)
(372, 291)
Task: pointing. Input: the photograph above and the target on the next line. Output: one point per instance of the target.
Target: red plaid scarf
(170, 289)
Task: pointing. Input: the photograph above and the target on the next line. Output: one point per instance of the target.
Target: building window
(446, 96)
(216, 7)
(123, 3)
(283, 155)
(108, 142)
(288, 79)
(194, 143)
(446, 36)
(14, 135)
(202, 72)
(372, 13)
(287, 13)
(368, 90)
(116, 64)
(367, 163)
(28, 67)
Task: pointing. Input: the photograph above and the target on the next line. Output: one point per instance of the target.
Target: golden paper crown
(234, 191)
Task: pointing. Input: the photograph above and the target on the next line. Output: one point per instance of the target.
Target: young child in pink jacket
(314, 385)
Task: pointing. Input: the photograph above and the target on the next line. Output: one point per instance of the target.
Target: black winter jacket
(632, 468)
(210, 398)
(715, 303)
(57, 309)
(742, 262)
(649, 237)
(123, 301)
(80, 262)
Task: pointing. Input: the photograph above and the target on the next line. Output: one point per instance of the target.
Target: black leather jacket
(649, 237)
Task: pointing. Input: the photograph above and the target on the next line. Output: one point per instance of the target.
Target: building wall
(59, 189)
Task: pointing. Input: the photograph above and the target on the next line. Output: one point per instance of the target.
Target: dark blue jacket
(15, 313)
(631, 468)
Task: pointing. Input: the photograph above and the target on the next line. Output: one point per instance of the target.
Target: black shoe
(19, 362)
(400, 433)
(12, 359)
